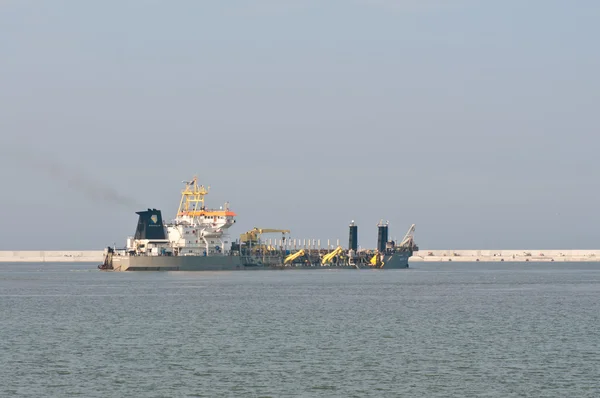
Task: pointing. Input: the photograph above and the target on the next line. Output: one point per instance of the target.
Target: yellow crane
(289, 259)
(252, 239)
(253, 236)
(330, 256)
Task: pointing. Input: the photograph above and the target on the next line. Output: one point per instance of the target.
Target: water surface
(434, 330)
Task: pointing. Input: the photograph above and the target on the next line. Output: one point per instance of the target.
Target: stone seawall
(506, 255)
(45, 256)
(97, 256)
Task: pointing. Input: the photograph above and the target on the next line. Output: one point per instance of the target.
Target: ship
(198, 239)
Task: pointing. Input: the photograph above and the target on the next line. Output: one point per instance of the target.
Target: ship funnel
(150, 225)
(353, 237)
(382, 236)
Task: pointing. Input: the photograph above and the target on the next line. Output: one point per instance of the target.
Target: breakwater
(52, 256)
(61, 256)
(506, 255)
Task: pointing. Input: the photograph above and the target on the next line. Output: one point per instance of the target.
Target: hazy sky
(476, 120)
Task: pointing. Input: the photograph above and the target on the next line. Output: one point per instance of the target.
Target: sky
(475, 120)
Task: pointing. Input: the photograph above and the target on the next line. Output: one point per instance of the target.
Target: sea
(434, 330)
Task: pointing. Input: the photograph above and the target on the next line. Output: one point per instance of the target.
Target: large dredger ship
(198, 240)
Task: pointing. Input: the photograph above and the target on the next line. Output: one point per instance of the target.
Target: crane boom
(408, 240)
(330, 256)
(294, 256)
(253, 235)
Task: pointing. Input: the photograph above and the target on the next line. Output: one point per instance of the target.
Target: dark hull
(234, 263)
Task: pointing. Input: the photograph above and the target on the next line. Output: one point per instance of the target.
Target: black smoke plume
(73, 178)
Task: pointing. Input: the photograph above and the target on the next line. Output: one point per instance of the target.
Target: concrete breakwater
(96, 256)
(506, 255)
(56, 256)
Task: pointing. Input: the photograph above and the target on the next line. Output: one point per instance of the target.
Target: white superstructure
(195, 231)
(203, 234)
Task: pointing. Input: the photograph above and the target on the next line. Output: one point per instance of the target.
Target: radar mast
(192, 199)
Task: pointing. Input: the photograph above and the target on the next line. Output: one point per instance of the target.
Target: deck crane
(253, 236)
(408, 242)
(294, 256)
(328, 258)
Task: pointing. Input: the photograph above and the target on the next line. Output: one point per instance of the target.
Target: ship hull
(177, 263)
(396, 260)
(232, 263)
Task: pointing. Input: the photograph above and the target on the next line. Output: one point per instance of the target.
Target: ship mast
(192, 199)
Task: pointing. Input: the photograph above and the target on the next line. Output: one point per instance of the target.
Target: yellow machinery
(330, 256)
(192, 203)
(253, 236)
(376, 261)
(252, 239)
(293, 256)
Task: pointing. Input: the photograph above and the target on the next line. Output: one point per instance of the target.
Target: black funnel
(353, 237)
(382, 237)
(150, 225)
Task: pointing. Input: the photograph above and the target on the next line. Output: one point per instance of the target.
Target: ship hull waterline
(233, 263)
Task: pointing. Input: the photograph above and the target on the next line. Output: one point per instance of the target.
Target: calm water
(435, 330)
